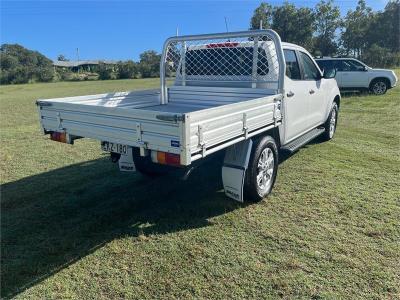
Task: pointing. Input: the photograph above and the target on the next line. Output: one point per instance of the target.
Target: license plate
(114, 147)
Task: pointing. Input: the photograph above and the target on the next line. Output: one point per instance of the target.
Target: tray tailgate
(133, 127)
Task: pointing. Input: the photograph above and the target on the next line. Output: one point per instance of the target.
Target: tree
(61, 57)
(262, 13)
(149, 65)
(371, 36)
(127, 69)
(391, 20)
(357, 24)
(105, 71)
(327, 21)
(293, 25)
(20, 65)
(385, 28)
(8, 61)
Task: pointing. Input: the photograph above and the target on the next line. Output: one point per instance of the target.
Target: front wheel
(379, 87)
(331, 123)
(262, 170)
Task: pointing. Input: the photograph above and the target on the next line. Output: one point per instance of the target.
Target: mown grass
(73, 226)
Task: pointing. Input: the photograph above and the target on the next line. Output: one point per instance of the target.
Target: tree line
(21, 65)
(148, 66)
(372, 36)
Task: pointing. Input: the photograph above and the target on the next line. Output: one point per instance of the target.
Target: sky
(121, 30)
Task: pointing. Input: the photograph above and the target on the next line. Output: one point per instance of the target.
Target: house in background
(78, 66)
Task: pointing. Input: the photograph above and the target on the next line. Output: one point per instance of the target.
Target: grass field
(73, 226)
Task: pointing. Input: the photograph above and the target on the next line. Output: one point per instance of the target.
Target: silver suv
(352, 74)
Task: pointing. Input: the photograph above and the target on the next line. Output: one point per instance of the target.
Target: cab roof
(286, 45)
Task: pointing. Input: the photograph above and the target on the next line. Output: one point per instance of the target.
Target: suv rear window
(341, 65)
(349, 65)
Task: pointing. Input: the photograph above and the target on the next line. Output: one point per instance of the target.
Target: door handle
(290, 94)
(312, 92)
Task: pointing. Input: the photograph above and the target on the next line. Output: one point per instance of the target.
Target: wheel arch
(274, 132)
(333, 98)
(373, 80)
(337, 100)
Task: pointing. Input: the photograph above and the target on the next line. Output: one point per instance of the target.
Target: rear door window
(310, 70)
(354, 66)
(292, 65)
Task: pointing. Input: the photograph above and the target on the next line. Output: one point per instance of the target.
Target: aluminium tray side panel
(215, 126)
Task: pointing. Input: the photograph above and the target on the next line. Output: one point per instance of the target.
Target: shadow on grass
(53, 219)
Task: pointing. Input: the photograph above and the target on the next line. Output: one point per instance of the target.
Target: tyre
(145, 166)
(379, 86)
(261, 172)
(331, 123)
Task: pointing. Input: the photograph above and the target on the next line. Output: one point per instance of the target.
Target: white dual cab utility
(352, 74)
(242, 92)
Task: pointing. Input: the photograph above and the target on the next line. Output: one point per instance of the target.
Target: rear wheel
(262, 170)
(379, 86)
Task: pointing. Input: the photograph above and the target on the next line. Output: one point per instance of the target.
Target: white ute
(242, 92)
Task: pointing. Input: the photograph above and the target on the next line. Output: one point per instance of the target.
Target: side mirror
(365, 69)
(330, 73)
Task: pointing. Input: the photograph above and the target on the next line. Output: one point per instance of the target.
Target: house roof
(76, 63)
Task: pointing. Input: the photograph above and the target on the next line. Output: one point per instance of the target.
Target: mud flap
(126, 163)
(234, 169)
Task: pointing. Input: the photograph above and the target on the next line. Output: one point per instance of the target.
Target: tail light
(166, 158)
(58, 136)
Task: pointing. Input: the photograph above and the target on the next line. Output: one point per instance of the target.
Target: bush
(105, 72)
(4, 77)
(45, 74)
(127, 69)
(377, 56)
(63, 74)
(19, 74)
(149, 65)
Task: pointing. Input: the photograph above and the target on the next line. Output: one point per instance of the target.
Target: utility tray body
(196, 121)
